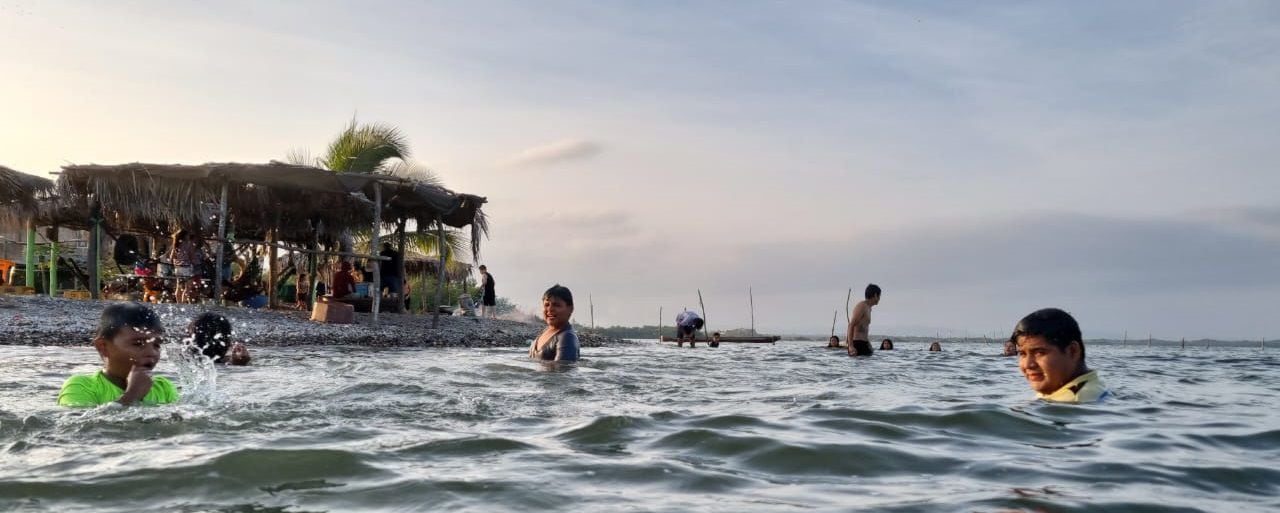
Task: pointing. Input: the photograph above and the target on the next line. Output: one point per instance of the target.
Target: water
(787, 427)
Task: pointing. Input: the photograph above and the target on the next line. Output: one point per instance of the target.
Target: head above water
(211, 334)
(834, 341)
(715, 336)
(1050, 349)
(129, 334)
(872, 294)
(483, 268)
(936, 346)
(557, 306)
(886, 345)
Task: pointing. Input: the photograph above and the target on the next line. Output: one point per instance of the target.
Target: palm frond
(365, 148)
(415, 171)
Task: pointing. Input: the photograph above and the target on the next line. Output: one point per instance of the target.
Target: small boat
(738, 340)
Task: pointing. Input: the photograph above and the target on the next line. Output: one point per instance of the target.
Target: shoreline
(45, 321)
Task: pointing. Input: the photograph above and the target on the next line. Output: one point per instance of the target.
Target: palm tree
(381, 149)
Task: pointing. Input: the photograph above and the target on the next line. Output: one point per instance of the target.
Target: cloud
(567, 150)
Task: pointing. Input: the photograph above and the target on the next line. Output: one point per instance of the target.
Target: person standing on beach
(389, 272)
(489, 301)
(859, 335)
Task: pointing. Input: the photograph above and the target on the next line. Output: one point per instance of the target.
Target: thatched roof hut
(302, 202)
(20, 197)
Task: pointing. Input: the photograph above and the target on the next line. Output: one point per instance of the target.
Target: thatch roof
(20, 196)
(304, 201)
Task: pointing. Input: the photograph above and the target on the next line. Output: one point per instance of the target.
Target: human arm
(567, 346)
(138, 384)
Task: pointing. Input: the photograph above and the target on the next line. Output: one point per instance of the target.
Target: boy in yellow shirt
(1051, 357)
(128, 340)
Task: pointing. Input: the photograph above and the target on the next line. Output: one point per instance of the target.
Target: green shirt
(95, 389)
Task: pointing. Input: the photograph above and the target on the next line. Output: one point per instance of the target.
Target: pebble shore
(45, 321)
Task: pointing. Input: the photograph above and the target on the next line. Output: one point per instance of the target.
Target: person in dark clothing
(389, 270)
(488, 303)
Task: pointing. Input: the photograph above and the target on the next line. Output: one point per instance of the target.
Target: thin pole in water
(1126, 338)
(1148, 340)
(834, 313)
(705, 325)
(1184, 342)
(847, 299)
(752, 298)
(591, 302)
(659, 324)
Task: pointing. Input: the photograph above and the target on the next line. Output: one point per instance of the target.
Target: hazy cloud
(567, 150)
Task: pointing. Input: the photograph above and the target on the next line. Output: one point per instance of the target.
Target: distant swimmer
(886, 345)
(859, 334)
(557, 342)
(1010, 349)
(687, 324)
(1051, 357)
(715, 340)
(935, 347)
(834, 343)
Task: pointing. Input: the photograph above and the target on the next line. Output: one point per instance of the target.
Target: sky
(977, 161)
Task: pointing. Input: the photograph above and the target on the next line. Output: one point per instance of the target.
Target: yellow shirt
(1087, 388)
(95, 389)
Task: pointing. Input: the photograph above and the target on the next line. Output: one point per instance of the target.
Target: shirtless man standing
(859, 333)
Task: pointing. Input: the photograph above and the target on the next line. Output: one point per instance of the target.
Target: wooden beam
(273, 266)
(31, 254)
(373, 249)
(435, 317)
(222, 242)
(95, 251)
(53, 261)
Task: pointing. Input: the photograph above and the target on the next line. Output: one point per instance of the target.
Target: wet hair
(211, 334)
(884, 343)
(873, 290)
(560, 292)
(1054, 325)
(483, 268)
(715, 334)
(937, 345)
(837, 339)
(127, 315)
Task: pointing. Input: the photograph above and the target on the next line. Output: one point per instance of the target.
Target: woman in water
(558, 342)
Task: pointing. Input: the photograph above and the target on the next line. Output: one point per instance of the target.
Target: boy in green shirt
(128, 340)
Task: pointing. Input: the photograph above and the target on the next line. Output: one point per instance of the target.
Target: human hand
(137, 385)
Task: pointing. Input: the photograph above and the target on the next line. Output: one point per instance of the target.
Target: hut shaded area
(301, 206)
(21, 196)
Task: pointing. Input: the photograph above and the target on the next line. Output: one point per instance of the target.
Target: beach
(39, 320)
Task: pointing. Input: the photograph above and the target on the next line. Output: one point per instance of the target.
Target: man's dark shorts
(860, 347)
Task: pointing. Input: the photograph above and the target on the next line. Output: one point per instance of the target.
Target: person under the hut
(184, 252)
(344, 283)
(128, 342)
(557, 342)
(302, 291)
(389, 272)
(488, 298)
(211, 336)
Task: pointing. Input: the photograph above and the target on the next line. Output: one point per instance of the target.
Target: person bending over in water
(211, 336)
(128, 341)
(935, 347)
(715, 340)
(557, 342)
(833, 342)
(1010, 349)
(886, 345)
(1051, 357)
(860, 323)
(687, 325)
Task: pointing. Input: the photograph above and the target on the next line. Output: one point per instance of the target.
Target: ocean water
(785, 427)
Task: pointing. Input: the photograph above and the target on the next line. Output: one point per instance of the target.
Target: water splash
(196, 374)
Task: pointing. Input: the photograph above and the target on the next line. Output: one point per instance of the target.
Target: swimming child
(833, 342)
(935, 347)
(715, 340)
(128, 340)
(211, 335)
(886, 345)
(1051, 357)
(557, 342)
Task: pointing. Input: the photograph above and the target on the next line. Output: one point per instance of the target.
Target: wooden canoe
(736, 340)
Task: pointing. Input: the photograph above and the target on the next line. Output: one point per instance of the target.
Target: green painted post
(31, 254)
(53, 263)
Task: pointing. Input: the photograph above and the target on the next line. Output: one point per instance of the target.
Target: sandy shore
(37, 320)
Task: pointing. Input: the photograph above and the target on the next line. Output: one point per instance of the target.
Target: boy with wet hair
(128, 340)
(1051, 357)
(211, 335)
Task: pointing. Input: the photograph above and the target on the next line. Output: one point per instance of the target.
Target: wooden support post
(834, 314)
(313, 270)
(435, 316)
(31, 254)
(659, 324)
(592, 304)
(273, 266)
(95, 251)
(422, 304)
(404, 280)
(847, 298)
(222, 247)
(53, 261)
(373, 249)
(751, 297)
